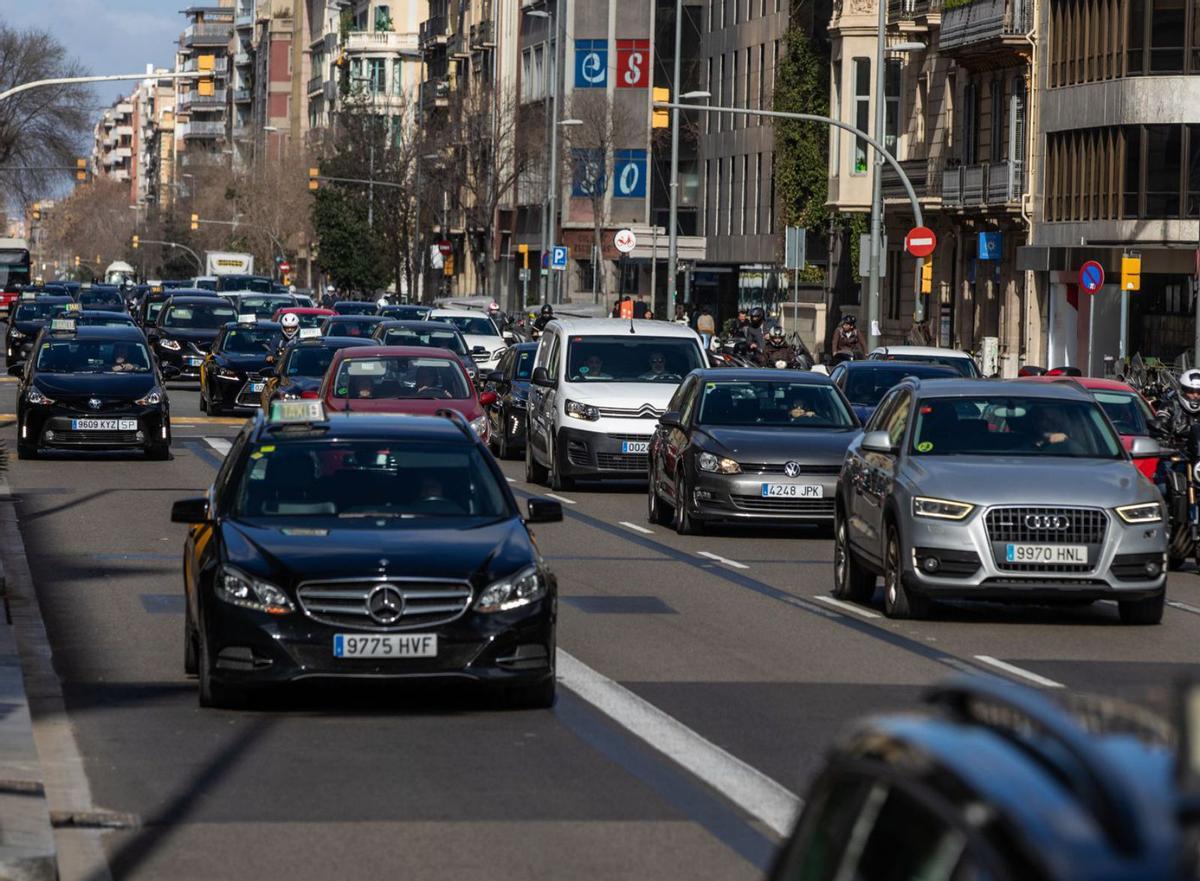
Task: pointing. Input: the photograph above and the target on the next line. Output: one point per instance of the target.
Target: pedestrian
(680, 314)
(641, 307)
(705, 324)
(648, 315)
(616, 309)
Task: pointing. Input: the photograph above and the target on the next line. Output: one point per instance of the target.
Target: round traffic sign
(625, 240)
(1091, 277)
(920, 241)
(285, 267)
(445, 247)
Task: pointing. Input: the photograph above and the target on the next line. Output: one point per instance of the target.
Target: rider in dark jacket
(847, 339)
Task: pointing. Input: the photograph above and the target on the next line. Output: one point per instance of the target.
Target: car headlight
(34, 396)
(1196, 472)
(525, 587)
(479, 425)
(717, 465)
(1146, 512)
(226, 373)
(239, 589)
(169, 345)
(151, 400)
(17, 335)
(577, 410)
(941, 509)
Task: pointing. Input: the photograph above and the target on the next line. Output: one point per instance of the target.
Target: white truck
(228, 263)
(119, 272)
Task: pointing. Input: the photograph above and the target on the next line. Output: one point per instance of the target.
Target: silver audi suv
(970, 489)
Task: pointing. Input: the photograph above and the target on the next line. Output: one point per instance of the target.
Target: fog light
(703, 494)
(1153, 568)
(140, 436)
(931, 564)
(49, 435)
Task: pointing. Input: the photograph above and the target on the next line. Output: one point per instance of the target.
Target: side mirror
(671, 419)
(496, 376)
(487, 399)
(190, 510)
(544, 511)
(1145, 448)
(542, 378)
(16, 368)
(877, 442)
(170, 371)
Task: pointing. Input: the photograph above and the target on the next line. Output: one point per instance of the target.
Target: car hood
(245, 363)
(1030, 480)
(622, 395)
(202, 338)
(63, 386)
(414, 407)
(491, 343)
(824, 446)
(29, 328)
(433, 547)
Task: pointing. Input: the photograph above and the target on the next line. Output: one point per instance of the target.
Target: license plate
(1051, 554)
(793, 491)
(103, 425)
(192, 361)
(399, 645)
(635, 446)
(257, 386)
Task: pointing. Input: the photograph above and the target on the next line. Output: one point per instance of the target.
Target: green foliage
(802, 148)
(856, 227)
(350, 251)
(955, 4)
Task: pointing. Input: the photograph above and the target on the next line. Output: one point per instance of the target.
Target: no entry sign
(1091, 277)
(920, 241)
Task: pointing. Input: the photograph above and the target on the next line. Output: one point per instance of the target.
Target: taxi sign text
(297, 411)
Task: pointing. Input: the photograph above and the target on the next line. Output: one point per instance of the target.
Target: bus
(14, 269)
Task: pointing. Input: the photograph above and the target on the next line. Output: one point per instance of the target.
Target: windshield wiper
(366, 515)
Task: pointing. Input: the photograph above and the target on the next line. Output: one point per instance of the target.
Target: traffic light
(195, 221)
(136, 242)
(927, 276)
(313, 175)
(661, 118)
(76, 261)
(81, 169)
(37, 211)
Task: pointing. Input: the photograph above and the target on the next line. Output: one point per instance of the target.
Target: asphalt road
(705, 677)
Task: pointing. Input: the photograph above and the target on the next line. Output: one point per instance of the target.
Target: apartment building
(112, 142)
(202, 119)
(153, 169)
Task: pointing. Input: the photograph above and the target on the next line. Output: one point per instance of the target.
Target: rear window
(963, 366)
(446, 339)
(341, 327)
(1128, 412)
(401, 377)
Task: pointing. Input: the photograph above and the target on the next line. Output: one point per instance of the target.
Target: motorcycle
(1178, 479)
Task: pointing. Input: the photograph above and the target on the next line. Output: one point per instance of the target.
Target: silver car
(966, 489)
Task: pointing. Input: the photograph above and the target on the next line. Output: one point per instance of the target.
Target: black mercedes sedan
(237, 367)
(302, 366)
(91, 388)
(184, 332)
(27, 318)
(510, 382)
(391, 547)
(755, 445)
(430, 335)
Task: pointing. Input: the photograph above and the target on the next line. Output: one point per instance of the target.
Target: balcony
(974, 186)
(220, 65)
(435, 93)
(379, 41)
(483, 35)
(914, 16)
(195, 130)
(206, 34)
(195, 100)
(432, 32)
(923, 174)
(241, 96)
(983, 32)
(242, 59)
(314, 85)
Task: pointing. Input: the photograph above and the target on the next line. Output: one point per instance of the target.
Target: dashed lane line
(219, 444)
(643, 530)
(1184, 607)
(846, 607)
(1014, 670)
(562, 499)
(728, 562)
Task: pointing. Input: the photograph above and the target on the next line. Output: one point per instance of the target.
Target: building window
(771, 205)
(862, 111)
(998, 116)
(733, 184)
(711, 87)
(745, 188)
(895, 266)
(757, 203)
(1164, 163)
(762, 80)
(733, 88)
(720, 199)
(891, 126)
(377, 71)
(720, 92)
(835, 133)
(970, 121)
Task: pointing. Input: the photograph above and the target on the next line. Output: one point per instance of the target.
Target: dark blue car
(864, 383)
(510, 382)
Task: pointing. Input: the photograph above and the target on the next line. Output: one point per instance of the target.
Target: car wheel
(897, 601)
(684, 523)
(1148, 611)
(851, 580)
(212, 693)
(558, 480)
(158, 452)
(191, 662)
(657, 511)
(27, 451)
(535, 472)
(203, 402)
(503, 448)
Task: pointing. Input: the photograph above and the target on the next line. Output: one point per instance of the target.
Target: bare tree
(42, 128)
(94, 221)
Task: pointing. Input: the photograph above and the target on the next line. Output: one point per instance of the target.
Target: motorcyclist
(289, 326)
(776, 349)
(753, 331)
(546, 316)
(1183, 409)
(847, 340)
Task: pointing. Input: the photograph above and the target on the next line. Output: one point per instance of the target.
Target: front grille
(578, 455)
(247, 398)
(1086, 526)
(1015, 581)
(81, 405)
(622, 461)
(773, 468)
(94, 437)
(807, 507)
(636, 438)
(643, 412)
(427, 602)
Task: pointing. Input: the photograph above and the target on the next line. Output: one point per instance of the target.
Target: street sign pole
(1091, 280)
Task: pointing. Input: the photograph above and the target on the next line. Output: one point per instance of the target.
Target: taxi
(302, 365)
(28, 316)
(237, 367)
(332, 546)
(91, 388)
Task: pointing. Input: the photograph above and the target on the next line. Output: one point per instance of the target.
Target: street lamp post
(673, 218)
(549, 216)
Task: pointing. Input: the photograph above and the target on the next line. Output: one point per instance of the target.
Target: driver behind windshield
(658, 366)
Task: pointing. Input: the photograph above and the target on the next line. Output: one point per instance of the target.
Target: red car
(403, 379)
(1127, 410)
(309, 316)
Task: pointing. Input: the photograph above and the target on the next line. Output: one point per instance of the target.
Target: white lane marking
(848, 607)
(728, 562)
(643, 530)
(562, 499)
(219, 444)
(747, 787)
(1017, 671)
(1175, 604)
(510, 480)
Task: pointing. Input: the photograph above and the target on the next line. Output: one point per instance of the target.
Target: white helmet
(1189, 390)
(290, 322)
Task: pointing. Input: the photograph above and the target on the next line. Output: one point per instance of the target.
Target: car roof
(205, 299)
(745, 374)
(617, 326)
(52, 299)
(168, 293)
(105, 313)
(352, 317)
(261, 324)
(116, 333)
(331, 342)
(413, 324)
(898, 367)
(990, 388)
(928, 351)
(403, 351)
(1094, 383)
(397, 426)
(306, 310)
(460, 313)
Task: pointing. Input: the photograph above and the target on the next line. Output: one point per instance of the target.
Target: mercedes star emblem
(95, 403)
(792, 469)
(385, 604)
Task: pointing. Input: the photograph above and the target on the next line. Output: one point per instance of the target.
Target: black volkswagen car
(757, 445)
(92, 388)
(237, 367)
(185, 330)
(146, 312)
(385, 547)
(29, 316)
(350, 325)
(428, 334)
(864, 383)
(302, 367)
(510, 382)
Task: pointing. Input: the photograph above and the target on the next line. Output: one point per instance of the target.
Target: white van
(597, 390)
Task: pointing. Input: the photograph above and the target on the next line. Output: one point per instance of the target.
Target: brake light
(310, 395)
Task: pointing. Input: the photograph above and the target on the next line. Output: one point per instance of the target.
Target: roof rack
(1009, 710)
(459, 420)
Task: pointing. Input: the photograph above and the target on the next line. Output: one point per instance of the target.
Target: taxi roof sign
(73, 307)
(28, 295)
(62, 325)
(310, 333)
(247, 318)
(297, 412)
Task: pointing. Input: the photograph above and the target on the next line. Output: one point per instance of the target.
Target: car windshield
(244, 283)
(36, 311)
(307, 319)
(353, 327)
(250, 341)
(152, 310)
(631, 358)
(352, 307)
(525, 361)
(206, 284)
(380, 483)
(963, 366)
(310, 361)
(264, 307)
(995, 425)
(436, 339)
(867, 384)
(1127, 411)
(769, 402)
(86, 319)
(406, 313)
(401, 377)
(477, 326)
(95, 298)
(198, 316)
(92, 356)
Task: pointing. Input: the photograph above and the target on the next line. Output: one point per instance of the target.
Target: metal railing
(431, 30)
(241, 96)
(907, 10)
(923, 173)
(987, 184)
(207, 34)
(982, 21)
(194, 98)
(204, 130)
(483, 34)
(314, 85)
(434, 90)
(219, 65)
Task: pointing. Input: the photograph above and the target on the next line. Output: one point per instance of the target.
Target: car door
(881, 471)
(541, 404)
(852, 484)
(503, 390)
(674, 439)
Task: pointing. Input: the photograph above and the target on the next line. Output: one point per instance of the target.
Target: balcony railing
(207, 34)
(988, 184)
(195, 99)
(981, 22)
(241, 59)
(241, 96)
(435, 93)
(220, 65)
(314, 85)
(483, 35)
(912, 10)
(379, 41)
(204, 130)
(432, 31)
(922, 174)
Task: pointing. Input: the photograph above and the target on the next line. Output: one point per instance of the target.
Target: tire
(27, 451)
(215, 694)
(684, 524)
(203, 403)
(1142, 612)
(657, 511)
(558, 480)
(898, 602)
(535, 472)
(533, 697)
(158, 452)
(503, 449)
(1180, 546)
(191, 660)
(851, 580)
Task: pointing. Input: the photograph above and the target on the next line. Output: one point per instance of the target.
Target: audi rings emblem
(385, 604)
(791, 469)
(1043, 522)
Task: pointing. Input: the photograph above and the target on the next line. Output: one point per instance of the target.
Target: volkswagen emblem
(1044, 522)
(792, 469)
(95, 403)
(385, 604)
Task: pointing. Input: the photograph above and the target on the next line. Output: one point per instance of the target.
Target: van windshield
(631, 358)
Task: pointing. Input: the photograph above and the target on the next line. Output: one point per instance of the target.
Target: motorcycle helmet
(756, 316)
(850, 320)
(290, 322)
(547, 310)
(775, 335)
(1189, 390)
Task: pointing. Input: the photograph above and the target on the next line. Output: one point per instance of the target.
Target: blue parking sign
(989, 246)
(559, 256)
(591, 64)
(629, 174)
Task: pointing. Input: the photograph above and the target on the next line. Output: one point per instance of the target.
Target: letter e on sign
(633, 64)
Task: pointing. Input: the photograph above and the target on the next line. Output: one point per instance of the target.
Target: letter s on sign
(633, 69)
